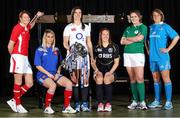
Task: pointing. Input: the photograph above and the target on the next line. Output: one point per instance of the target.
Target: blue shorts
(158, 66)
(41, 77)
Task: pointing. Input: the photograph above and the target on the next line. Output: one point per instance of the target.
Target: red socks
(48, 99)
(17, 94)
(24, 89)
(19, 91)
(67, 97)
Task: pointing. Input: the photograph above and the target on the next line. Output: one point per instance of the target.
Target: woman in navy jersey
(106, 55)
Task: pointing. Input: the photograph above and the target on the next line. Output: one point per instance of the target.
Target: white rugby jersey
(77, 34)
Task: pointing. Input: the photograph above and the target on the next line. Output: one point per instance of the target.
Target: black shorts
(104, 68)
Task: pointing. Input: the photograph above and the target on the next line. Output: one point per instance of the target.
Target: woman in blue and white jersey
(160, 33)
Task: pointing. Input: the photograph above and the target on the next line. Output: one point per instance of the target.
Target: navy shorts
(41, 77)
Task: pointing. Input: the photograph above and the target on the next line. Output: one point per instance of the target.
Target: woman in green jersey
(134, 58)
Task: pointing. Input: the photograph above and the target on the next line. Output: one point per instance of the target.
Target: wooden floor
(119, 105)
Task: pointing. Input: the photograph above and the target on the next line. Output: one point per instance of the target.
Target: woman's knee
(166, 76)
(99, 80)
(156, 80)
(65, 82)
(68, 84)
(139, 78)
(30, 84)
(18, 79)
(166, 79)
(53, 86)
(29, 80)
(132, 78)
(156, 76)
(108, 80)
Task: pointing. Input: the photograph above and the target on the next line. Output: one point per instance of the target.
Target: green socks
(134, 91)
(141, 91)
(138, 91)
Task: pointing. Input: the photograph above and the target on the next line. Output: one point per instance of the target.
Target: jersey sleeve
(15, 33)
(116, 51)
(144, 31)
(37, 57)
(170, 32)
(125, 32)
(66, 31)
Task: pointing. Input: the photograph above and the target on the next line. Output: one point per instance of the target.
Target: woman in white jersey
(79, 32)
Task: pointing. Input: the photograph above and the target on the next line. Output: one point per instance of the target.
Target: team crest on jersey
(99, 50)
(55, 52)
(73, 29)
(44, 54)
(136, 32)
(154, 33)
(161, 28)
(100, 55)
(79, 36)
(110, 50)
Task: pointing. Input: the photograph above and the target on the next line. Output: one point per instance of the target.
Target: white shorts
(134, 60)
(20, 64)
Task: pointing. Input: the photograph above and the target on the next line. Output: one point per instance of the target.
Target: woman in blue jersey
(160, 66)
(47, 58)
(134, 58)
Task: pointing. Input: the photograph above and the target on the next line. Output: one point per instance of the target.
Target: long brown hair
(72, 15)
(100, 36)
(138, 13)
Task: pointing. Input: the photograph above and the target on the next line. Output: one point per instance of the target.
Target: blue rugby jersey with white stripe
(48, 59)
(159, 34)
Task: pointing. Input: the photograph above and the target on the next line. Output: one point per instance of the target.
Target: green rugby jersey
(131, 31)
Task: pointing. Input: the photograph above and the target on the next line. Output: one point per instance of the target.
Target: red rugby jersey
(20, 35)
